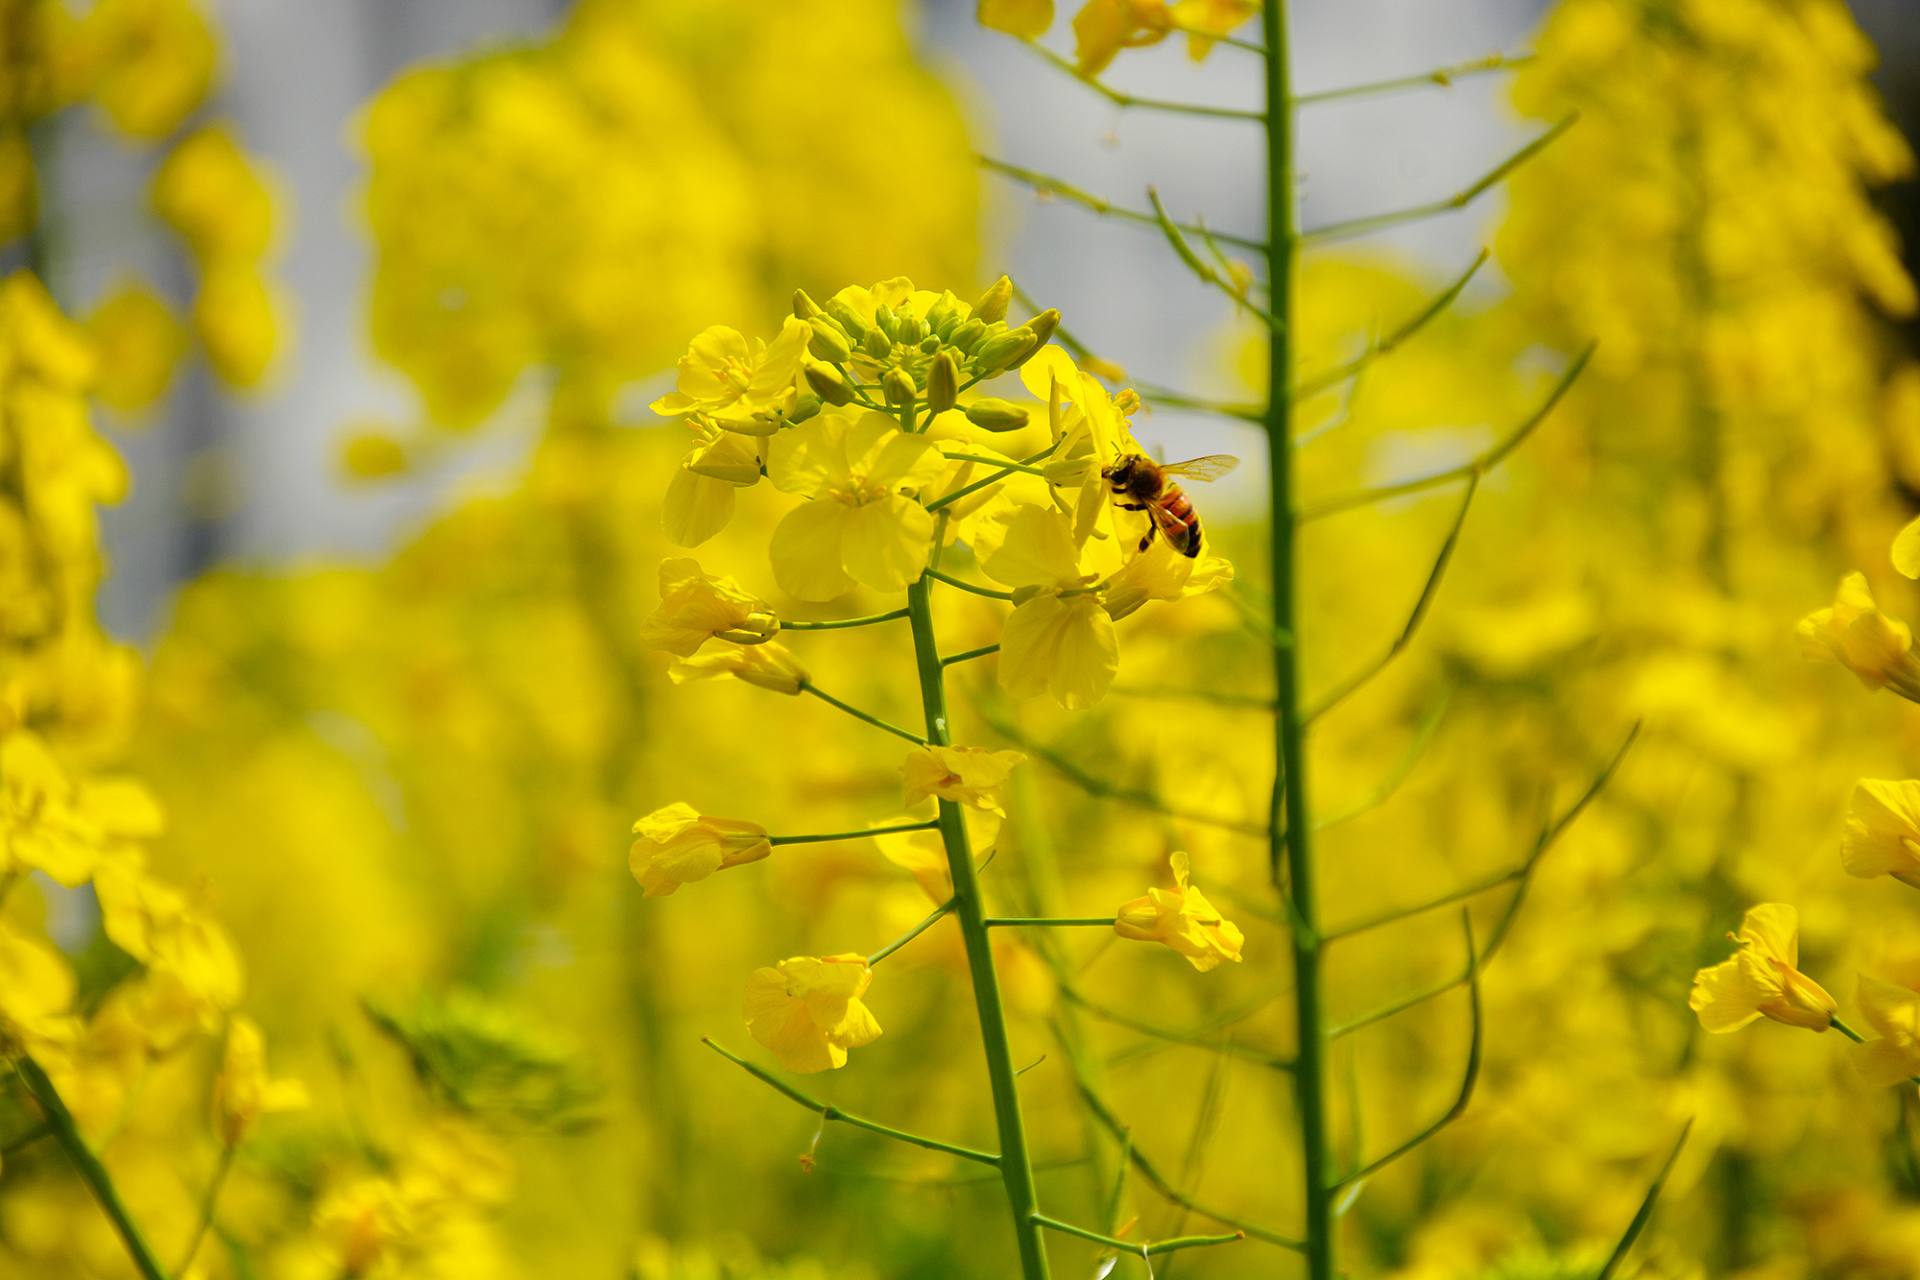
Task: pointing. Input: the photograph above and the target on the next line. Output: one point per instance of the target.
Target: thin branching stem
(1351, 227)
(829, 1112)
(841, 624)
(209, 1205)
(1045, 184)
(1204, 271)
(864, 833)
(1329, 378)
(1005, 469)
(1645, 1212)
(1131, 101)
(1136, 1248)
(67, 1133)
(968, 655)
(1049, 922)
(971, 588)
(1478, 465)
(865, 716)
(1428, 590)
(1469, 1077)
(1441, 77)
(1385, 789)
(933, 917)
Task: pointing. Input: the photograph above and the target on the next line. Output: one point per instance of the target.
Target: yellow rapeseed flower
(970, 776)
(1882, 832)
(740, 385)
(769, 666)
(807, 1010)
(1182, 919)
(1894, 1012)
(36, 995)
(700, 497)
(1761, 980)
(679, 845)
(860, 525)
(1855, 634)
(696, 607)
(140, 343)
(1059, 639)
(243, 1091)
(52, 824)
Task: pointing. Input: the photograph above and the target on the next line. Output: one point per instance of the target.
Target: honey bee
(1149, 487)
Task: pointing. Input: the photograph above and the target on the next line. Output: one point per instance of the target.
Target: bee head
(1120, 474)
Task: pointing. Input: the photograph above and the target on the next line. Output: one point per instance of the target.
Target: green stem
(968, 655)
(1049, 922)
(1848, 1032)
(208, 1204)
(961, 584)
(866, 716)
(92, 1172)
(1136, 1248)
(840, 624)
(830, 836)
(934, 917)
(1002, 463)
(1289, 825)
(1016, 1164)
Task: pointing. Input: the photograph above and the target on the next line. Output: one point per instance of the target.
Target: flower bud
(847, 318)
(877, 344)
(992, 304)
(1041, 327)
(1004, 350)
(804, 307)
(899, 388)
(804, 407)
(908, 329)
(885, 321)
(943, 382)
(967, 336)
(827, 383)
(757, 627)
(827, 342)
(996, 415)
(943, 317)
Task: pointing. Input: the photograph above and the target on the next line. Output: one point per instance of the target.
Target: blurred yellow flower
(215, 197)
(1183, 920)
(767, 666)
(1761, 980)
(970, 776)
(740, 385)
(678, 845)
(1103, 28)
(157, 60)
(699, 499)
(51, 824)
(1855, 634)
(860, 525)
(140, 342)
(36, 995)
(1059, 639)
(243, 1091)
(1882, 832)
(696, 607)
(807, 1010)
(373, 453)
(1893, 1055)
(1028, 19)
(198, 971)
(239, 321)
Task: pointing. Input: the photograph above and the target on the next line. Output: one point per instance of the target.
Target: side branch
(1202, 269)
(1474, 467)
(1443, 77)
(1051, 186)
(1428, 591)
(1468, 1079)
(1419, 320)
(1520, 874)
(1645, 1211)
(1126, 101)
(827, 1111)
(1136, 1249)
(1458, 200)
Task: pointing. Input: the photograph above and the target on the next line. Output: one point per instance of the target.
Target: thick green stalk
(92, 1172)
(1016, 1164)
(1289, 826)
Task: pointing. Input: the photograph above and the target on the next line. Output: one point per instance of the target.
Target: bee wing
(1211, 467)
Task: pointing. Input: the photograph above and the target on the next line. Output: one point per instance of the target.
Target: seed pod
(827, 343)
(943, 382)
(804, 307)
(827, 383)
(992, 304)
(996, 415)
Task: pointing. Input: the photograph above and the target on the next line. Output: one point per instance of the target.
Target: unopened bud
(885, 320)
(828, 343)
(827, 383)
(1004, 350)
(992, 304)
(803, 306)
(968, 335)
(996, 415)
(944, 315)
(899, 388)
(804, 407)
(847, 318)
(1042, 327)
(908, 329)
(930, 344)
(943, 382)
(877, 344)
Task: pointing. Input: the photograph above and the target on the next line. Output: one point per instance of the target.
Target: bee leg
(1133, 506)
(1146, 539)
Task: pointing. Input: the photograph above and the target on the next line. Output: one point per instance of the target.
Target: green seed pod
(849, 321)
(943, 382)
(827, 343)
(899, 388)
(803, 306)
(996, 415)
(992, 304)
(827, 383)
